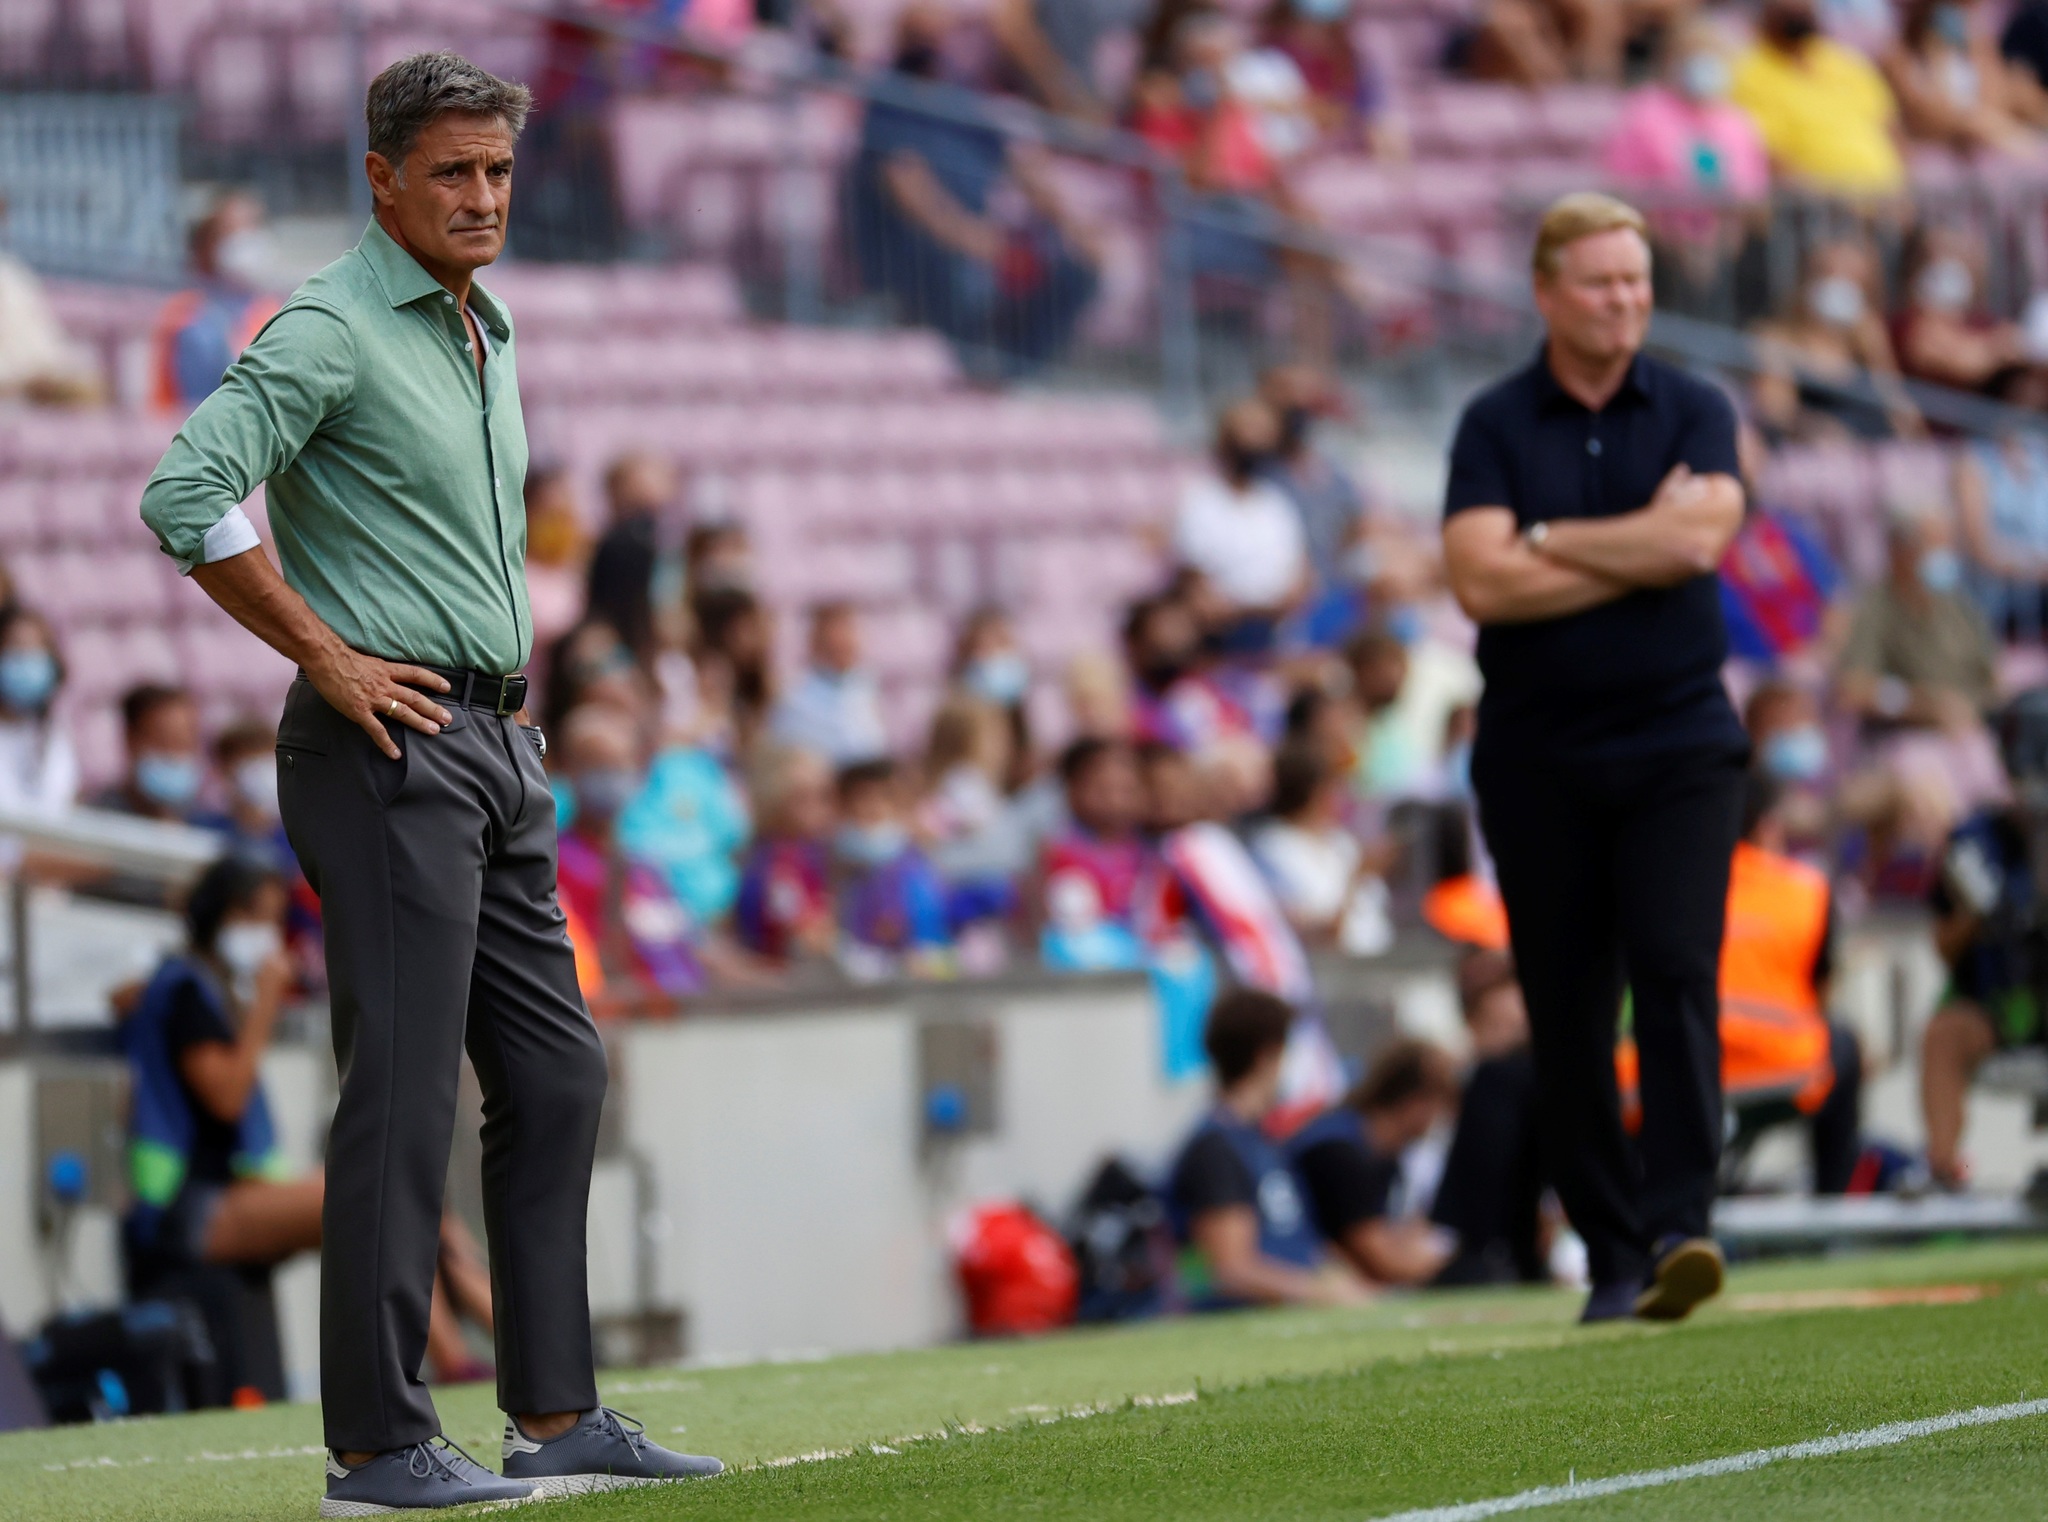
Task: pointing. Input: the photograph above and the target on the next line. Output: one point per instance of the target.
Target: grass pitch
(1419, 1401)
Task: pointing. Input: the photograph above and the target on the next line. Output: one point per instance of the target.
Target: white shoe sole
(329, 1507)
(553, 1487)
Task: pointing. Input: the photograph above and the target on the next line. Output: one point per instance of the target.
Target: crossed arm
(1498, 577)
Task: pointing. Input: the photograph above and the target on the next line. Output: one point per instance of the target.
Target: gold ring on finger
(391, 709)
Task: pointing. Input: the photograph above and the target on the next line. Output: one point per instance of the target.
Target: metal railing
(91, 183)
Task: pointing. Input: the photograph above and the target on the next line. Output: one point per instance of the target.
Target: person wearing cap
(1591, 495)
(381, 409)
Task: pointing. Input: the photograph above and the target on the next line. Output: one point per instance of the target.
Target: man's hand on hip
(371, 692)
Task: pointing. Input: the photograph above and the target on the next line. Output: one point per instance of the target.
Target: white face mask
(256, 785)
(1945, 285)
(245, 257)
(244, 946)
(1836, 300)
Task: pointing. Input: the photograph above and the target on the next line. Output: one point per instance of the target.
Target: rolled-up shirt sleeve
(297, 375)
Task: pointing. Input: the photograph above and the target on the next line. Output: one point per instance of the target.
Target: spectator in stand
(1408, 684)
(39, 362)
(990, 665)
(733, 633)
(1348, 1160)
(1919, 668)
(891, 905)
(1954, 89)
(1826, 114)
(38, 767)
(1944, 333)
(835, 708)
(1234, 1201)
(640, 491)
(1834, 338)
(1539, 43)
(557, 557)
(166, 764)
(1327, 500)
(1778, 582)
(651, 947)
(1346, 95)
(245, 760)
(1328, 885)
(1680, 133)
(1242, 532)
(689, 819)
(976, 839)
(203, 330)
(1093, 874)
(926, 229)
(2001, 488)
(1053, 45)
(719, 558)
(591, 664)
(785, 911)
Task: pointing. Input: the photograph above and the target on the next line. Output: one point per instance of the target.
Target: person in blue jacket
(1236, 1206)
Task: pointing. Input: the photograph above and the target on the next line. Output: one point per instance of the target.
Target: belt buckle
(506, 707)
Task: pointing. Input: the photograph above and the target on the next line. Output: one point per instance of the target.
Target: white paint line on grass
(1735, 1463)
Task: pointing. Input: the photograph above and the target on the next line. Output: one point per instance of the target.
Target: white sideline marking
(1735, 1463)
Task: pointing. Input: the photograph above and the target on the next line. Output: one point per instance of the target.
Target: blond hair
(1580, 215)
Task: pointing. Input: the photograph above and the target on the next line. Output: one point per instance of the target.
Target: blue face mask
(1952, 25)
(1404, 622)
(1796, 755)
(1001, 679)
(167, 780)
(870, 845)
(27, 679)
(1323, 10)
(1941, 570)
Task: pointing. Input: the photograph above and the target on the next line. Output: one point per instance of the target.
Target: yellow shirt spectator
(1825, 113)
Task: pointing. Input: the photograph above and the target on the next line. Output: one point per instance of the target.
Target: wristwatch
(1536, 533)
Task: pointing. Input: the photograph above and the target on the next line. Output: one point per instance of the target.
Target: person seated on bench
(1349, 1161)
(209, 1183)
(1233, 1200)
(1781, 1057)
(1985, 911)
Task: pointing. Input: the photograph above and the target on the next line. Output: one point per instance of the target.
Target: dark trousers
(1616, 875)
(1492, 1189)
(436, 876)
(1834, 1131)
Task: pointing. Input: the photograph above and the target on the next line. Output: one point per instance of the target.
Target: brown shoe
(1688, 1271)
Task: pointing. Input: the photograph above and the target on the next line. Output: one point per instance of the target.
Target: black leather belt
(500, 695)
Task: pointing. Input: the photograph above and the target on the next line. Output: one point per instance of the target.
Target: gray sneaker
(422, 1477)
(603, 1451)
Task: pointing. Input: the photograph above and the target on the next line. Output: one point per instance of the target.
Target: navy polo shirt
(1637, 676)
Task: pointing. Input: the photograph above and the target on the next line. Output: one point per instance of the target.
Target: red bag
(1016, 1273)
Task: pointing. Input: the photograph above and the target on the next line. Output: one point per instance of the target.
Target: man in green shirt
(381, 407)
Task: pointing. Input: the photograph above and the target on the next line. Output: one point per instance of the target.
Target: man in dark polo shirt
(1591, 495)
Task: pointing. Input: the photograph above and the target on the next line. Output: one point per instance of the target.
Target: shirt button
(448, 298)
(1592, 446)
(469, 348)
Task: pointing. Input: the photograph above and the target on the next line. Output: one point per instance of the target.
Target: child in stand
(891, 904)
(977, 838)
(785, 911)
(1092, 874)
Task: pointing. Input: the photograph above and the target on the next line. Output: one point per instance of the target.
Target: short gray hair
(415, 92)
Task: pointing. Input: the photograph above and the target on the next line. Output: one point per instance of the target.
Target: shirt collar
(405, 280)
(1550, 396)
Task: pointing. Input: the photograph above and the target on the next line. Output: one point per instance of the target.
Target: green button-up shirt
(395, 479)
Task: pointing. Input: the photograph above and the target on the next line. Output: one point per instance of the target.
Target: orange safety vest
(589, 966)
(171, 319)
(1774, 1033)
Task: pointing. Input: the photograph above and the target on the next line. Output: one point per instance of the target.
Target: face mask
(604, 792)
(1200, 89)
(1836, 300)
(920, 60)
(1941, 570)
(244, 257)
(27, 678)
(1404, 622)
(1001, 679)
(1162, 671)
(1945, 286)
(1323, 10)
(1951, 24)
(244, 947)
(870, 845)
(1703, 76)
(1240, 463)
(172, 781)
(1294, 426)
(256, 784)
(1797, 755)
